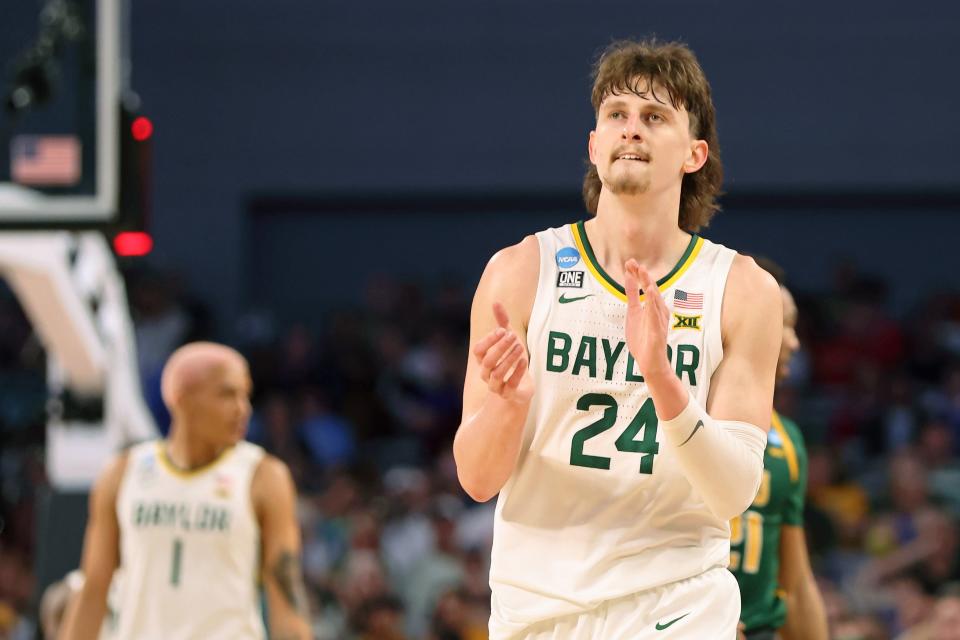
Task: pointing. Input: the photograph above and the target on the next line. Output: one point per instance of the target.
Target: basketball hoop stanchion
(69, 286)
(52, 249)
(73, 294)
(76, 172)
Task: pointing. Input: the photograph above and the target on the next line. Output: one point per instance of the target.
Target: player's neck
(638, 228)
(187, 453)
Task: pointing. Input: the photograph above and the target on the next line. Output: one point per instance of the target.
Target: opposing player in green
(768, 551)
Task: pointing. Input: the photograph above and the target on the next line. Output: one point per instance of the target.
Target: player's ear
(699, 152)
(590, 151)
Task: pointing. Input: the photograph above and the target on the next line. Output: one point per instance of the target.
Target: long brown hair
(643, 68)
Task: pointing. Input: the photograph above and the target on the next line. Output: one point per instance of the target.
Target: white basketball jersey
(597, 507)
(189, 548)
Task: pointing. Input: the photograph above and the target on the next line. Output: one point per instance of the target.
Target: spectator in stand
(380, 618)
(327, 436)
(455, 619)
(912, 607)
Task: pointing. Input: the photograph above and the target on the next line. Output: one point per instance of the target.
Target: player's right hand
(503, 360)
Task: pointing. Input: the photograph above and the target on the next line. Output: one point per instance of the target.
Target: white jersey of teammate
(189, 548)
(597, 508)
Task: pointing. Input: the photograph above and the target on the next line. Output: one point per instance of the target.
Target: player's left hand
(648, 322)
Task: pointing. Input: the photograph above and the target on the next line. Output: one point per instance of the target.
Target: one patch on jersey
(570, 279)
(567, 257)
(686, 322)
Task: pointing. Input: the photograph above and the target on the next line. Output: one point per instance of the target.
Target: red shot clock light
(141, 128)
(130, 244)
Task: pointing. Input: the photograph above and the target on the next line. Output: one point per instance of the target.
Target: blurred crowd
(364, 407)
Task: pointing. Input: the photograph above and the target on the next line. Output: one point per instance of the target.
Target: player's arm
(752, 327)
(719, 447)
(498, 387)
(101, 555)
(806, 614)
(274, 498)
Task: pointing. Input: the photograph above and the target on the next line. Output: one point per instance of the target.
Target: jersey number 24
(645, 421)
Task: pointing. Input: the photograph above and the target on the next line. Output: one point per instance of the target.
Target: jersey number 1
(177, 561)
(645, 420)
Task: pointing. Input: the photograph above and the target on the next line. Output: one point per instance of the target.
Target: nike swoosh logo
(661, 627)
(564, 299)
(695, 429)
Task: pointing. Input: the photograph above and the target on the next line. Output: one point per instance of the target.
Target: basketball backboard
(59, 120)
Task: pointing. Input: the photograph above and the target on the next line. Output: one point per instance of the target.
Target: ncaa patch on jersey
(146, 470)
(570, 280)
(567, 257)
(686, 322)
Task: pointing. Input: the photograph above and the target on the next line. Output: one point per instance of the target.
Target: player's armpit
(101, 554)
(274, 498)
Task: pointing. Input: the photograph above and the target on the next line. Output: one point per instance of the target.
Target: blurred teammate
(622, 431)
(768, 550)
(195, 520)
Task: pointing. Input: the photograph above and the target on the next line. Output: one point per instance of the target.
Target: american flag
(684, 300)
(45, 160)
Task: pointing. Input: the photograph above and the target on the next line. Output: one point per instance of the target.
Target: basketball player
(194, 521)
(768, 553)
(621, 382)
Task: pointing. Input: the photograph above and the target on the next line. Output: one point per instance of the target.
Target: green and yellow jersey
(755, 536)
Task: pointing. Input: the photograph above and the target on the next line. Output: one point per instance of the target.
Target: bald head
(194, 365)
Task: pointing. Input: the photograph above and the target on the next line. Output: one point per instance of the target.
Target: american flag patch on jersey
(685, 300)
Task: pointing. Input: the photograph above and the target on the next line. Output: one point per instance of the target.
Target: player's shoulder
(272, 486)
(117, 465)
(271, 474)
(748, 278)
(111, 476)
(794, 433)
(511, 278)
(133, 453)
(523, 256)
(789, 424)
(250, 451)
(751, 292)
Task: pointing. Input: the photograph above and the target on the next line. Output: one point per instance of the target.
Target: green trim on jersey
(580, 236)
(755, 536)
(188, 474)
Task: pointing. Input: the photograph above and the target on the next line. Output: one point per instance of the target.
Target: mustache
(620, 151)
